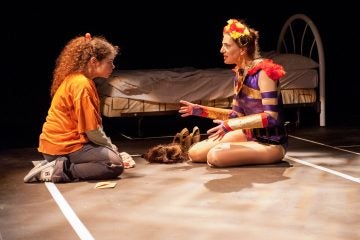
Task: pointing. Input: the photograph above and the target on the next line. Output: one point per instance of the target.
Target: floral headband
(237, 30)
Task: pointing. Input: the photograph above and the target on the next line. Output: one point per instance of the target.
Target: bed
(300, 51)
(158, 91)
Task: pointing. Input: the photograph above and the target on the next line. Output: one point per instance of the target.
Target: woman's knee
(195, 154)
(215, 157)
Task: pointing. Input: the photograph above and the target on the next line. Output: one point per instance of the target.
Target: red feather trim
(272, 70)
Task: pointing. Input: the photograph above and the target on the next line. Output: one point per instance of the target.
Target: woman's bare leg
(198, 152)
(244, 153)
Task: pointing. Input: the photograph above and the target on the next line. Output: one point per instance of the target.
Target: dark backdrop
(151, 35)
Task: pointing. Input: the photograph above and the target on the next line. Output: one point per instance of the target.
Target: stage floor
(313, 194)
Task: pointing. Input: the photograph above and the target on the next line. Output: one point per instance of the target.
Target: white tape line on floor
(322, 144)
(70, 215)
(351, 178)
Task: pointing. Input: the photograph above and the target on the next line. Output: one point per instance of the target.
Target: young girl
(72, 141)
(253, 131)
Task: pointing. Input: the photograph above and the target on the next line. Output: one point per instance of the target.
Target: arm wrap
(211, 112)
(258, 120)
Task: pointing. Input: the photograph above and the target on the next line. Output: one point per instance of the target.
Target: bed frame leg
(297, 123)
(139, 123)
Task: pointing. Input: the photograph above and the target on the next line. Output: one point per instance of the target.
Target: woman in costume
(252, 132)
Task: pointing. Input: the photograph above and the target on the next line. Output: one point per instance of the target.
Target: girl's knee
(117, 169)
(115, 158)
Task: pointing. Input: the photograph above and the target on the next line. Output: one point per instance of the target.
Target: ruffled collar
(273, 71)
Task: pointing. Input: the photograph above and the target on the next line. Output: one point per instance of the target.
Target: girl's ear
(93, 60)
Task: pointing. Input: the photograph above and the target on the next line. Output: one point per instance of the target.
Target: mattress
(158, 91)
(300, 79)
(299, 86)
(298, 96)
(122, 107)
(169, 85)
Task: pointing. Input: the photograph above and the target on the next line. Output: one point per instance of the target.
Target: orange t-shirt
(74, 110)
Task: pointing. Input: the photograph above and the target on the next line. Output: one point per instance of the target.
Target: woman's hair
(165, 153)
(244, 36)
(76, 54)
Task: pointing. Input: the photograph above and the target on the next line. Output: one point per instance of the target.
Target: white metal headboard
(299, 35)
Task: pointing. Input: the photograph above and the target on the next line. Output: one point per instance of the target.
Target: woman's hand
(187, 108)
(218, 132)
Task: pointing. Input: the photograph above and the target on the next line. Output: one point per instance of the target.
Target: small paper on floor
(102, 185)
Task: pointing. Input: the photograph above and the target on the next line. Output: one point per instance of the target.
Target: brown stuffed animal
(165, 153)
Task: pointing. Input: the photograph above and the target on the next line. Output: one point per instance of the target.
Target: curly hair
(253, 49)
(165, 153)
(75, 56)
